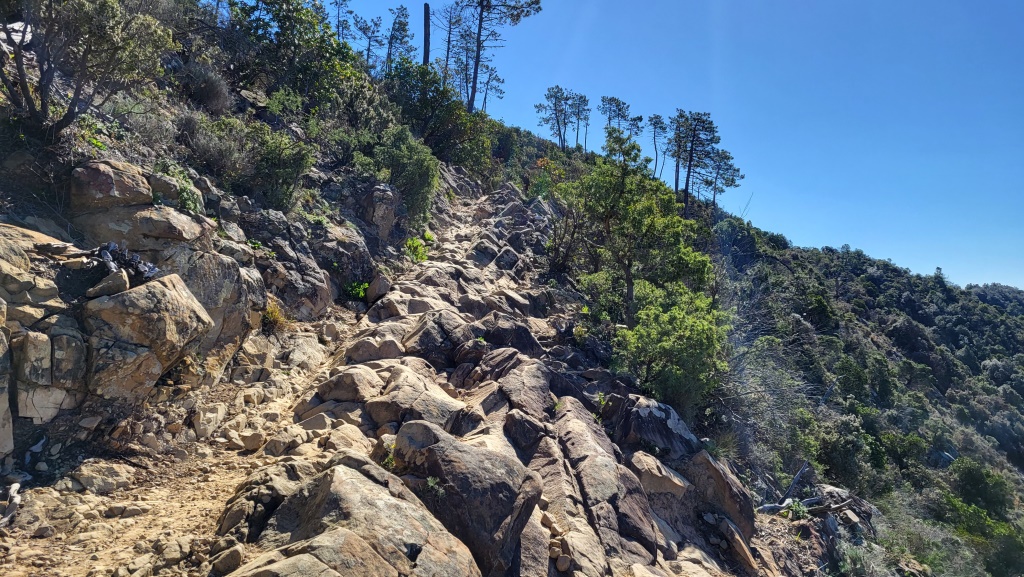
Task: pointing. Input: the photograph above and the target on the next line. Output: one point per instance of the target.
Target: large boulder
(342, 252)
(358, 383)
(99, 185)
(432, 337)
(484, 497)
(138, 335)
(291, 272)
(335, 553)
(356, 495)
(37, 396)
(642, 421)
(258, 497)
(28, 297)
(409, 395)
(232, 296)
(720, 489)
(33, 360)
(150, 230)
(656, 478)
(501, 330)
(567, 510)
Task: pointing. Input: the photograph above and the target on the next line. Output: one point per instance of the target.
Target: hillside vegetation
(903, 388)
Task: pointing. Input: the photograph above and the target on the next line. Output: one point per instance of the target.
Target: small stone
(555, 552)
(113, 283)
(253, 441)
(229, 560)
(848, 517)
(90, 423)
(546, 520)
(563, 563)
(131, 511)
(234, 440)
(74, 263)
(43, 532)
(150, 440)
(41, 466)
(710, 519)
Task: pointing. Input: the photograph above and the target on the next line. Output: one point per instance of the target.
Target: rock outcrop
(138, 335)
(454, 429)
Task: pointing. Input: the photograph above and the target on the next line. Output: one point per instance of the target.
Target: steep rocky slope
(451, 427)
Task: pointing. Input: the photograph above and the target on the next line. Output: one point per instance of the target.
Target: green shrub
(274, 318)
(436, 114)
(675, 349)
(356, 290)
(285, 103)
(410, 168)
(982, 487)
(279, 162)
(435, 487)
(205, 87)
(248, 158)
(797, 510)
(415, 250)
(189, 198)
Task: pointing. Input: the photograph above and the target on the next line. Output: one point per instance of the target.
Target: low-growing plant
(435, 487)
(389, 459)
(797, 510)
(429, 237)
(356, 290)
(415, 250)
(274, 318)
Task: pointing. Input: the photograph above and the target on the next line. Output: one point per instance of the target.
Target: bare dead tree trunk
(426, 33)
(477, 56)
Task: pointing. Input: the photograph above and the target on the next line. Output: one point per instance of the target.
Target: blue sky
(895, 127)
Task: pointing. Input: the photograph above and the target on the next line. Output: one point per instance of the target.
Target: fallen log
(829, 508)
(796, 480)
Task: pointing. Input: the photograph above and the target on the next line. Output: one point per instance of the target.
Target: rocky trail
(451, 427)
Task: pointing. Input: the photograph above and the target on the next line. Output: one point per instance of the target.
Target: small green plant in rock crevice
(415, 250)
(356, 290)
(435, 488)
(274, 318)
(389, 460)
(797, 510)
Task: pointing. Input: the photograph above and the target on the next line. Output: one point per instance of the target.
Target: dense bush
(435, 114)
(205, 87)
(674, 347)
(247, 157)
(408, 165)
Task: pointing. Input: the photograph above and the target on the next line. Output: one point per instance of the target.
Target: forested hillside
(904, 389)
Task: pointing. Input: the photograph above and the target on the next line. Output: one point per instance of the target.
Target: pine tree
(399, 38)
(488, 17)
